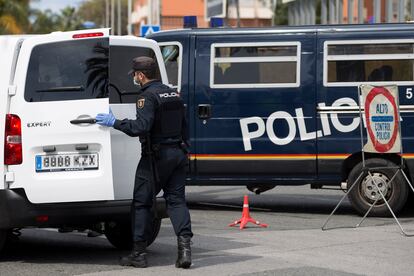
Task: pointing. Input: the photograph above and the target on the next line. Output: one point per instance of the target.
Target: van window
(172, 55)
(121, 85)
(353, 63)
(241, 65)
(69, 70)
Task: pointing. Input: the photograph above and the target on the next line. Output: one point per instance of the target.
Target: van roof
(288, 29)
(17, 36)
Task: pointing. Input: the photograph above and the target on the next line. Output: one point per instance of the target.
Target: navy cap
(142, 63)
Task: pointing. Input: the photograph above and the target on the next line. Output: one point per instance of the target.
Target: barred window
(238, 65)
(352, 63)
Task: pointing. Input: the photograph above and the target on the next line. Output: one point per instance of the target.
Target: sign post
(149, 29)
(379, 109)
(215, 8)
(382, 119)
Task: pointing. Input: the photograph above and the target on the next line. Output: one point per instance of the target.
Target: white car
(60, 168)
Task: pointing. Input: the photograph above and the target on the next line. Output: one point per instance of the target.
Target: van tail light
(87, 35)
(13, 154)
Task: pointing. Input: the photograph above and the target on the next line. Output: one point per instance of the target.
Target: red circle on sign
(371, 95)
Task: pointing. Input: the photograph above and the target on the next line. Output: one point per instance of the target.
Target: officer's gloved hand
(105, 119)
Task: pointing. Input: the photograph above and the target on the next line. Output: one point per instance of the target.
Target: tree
(69, 20)
(14, 16)
(45, 22)
(94, 10)
(281, 13)
(48, 21)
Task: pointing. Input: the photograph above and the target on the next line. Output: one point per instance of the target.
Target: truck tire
(3, 238)
(364, 193)
(119, 234)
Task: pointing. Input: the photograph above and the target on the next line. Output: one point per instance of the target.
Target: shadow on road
(292, 203)
(76, 254)
(282, 203)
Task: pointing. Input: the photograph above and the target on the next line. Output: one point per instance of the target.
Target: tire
(156, 226)
(364, 193)
(119, 234)
(3, 238)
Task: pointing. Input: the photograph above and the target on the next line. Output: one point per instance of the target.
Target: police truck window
(171, 56)
(352, 63)
(264, 64)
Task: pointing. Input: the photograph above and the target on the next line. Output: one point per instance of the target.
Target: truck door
(255, 101)
(61, 82)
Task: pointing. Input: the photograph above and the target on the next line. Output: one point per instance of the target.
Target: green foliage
(45, 22)
(69, 20)
(48, 21)
(281, 13)
(14, 16)
(94, 10)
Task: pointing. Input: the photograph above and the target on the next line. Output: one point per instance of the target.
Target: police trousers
(171, 163)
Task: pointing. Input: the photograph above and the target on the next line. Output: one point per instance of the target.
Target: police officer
(161, 127)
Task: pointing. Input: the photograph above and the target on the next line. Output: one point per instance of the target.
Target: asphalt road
(293, 244)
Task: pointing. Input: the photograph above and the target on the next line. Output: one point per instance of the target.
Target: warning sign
(381, 116)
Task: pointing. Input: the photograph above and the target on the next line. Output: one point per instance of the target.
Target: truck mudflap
(16, 211)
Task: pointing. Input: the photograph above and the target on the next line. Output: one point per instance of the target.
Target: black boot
(137, 257)
(184, 252)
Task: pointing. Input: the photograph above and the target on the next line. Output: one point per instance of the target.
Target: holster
(156, 151)
(154, 172)
(152, 156)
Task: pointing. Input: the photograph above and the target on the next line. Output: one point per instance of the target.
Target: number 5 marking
(409, 93)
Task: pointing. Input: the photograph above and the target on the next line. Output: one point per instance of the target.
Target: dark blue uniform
(160, 113)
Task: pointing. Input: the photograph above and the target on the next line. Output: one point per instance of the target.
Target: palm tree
(69, 19)
(14, 16)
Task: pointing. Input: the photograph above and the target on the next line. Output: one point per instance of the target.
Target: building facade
(304, 12)
(169, 13)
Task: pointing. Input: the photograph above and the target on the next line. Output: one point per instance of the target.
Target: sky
(54, 5)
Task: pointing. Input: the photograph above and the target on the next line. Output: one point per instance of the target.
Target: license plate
(67, 162)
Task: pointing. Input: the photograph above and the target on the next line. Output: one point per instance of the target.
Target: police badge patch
(141, 103)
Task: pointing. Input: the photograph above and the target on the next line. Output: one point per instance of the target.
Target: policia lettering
(257, 123)
(162, 130)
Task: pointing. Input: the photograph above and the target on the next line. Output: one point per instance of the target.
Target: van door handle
(204, 111)
(83, 121)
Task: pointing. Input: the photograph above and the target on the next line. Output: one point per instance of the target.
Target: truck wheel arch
(351, 161)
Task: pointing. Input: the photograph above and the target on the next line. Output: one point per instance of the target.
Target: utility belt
(152, 151)
(156, 148)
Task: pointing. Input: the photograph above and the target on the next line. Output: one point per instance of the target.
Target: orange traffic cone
(246, 216)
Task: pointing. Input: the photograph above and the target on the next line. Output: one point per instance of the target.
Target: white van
(60, 168)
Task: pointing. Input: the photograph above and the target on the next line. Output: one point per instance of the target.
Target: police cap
(142, 63)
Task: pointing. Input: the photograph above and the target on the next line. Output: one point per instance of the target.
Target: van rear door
(62, 81)
(123, 95)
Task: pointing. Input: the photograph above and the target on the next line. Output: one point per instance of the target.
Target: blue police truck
(279, 106)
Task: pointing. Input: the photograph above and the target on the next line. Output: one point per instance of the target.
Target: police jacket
(160, 113)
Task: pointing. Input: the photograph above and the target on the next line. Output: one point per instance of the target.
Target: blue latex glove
(105, 119)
